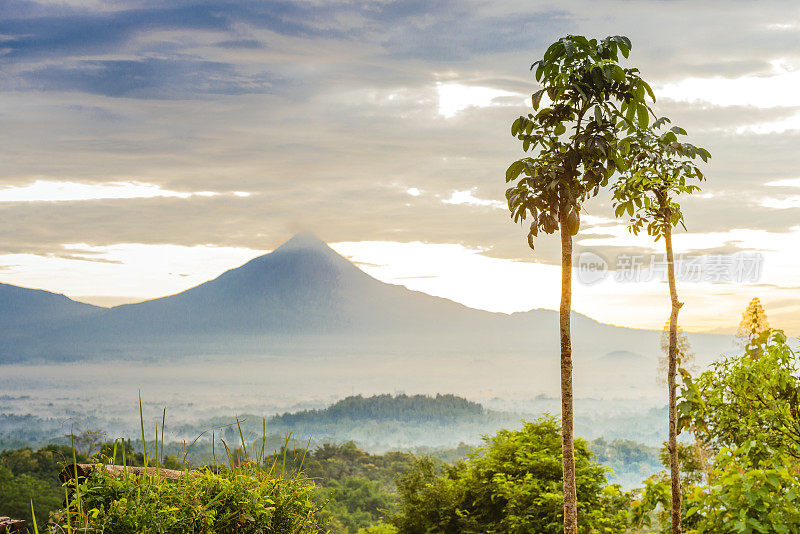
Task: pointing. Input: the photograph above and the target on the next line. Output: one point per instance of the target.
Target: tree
(660, 167)
(573, 140)
(747, 413)
(742, 399)
(510, 485)
(754, 328)
(745, 496)
(27, 475)
(18, 491)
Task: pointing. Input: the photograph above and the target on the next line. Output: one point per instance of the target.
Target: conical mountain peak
(304, 240)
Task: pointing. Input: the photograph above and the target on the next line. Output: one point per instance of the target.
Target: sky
(149, 146)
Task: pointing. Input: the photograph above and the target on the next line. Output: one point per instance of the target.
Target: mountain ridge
(301, 298)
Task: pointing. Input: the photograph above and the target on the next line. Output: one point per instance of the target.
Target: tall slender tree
(572, 135)
(660, 167)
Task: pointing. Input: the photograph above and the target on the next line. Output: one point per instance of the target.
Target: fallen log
(83, 471)
(11, 526)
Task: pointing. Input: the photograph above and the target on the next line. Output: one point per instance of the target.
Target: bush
(512, 484)
(244, 499)
(744, 497)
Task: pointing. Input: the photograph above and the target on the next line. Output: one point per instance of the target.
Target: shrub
(512, 484)
(244, 499)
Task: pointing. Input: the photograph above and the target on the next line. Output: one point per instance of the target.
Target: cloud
(148, 78)
(53, 191)
(792, 201)
(776, 87)
(467, 197)
(330, 115)
(455, 97)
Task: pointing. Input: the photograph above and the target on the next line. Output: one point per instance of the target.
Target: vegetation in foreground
(741, 471)
(243, 498)
(352, 488)
(513, 483)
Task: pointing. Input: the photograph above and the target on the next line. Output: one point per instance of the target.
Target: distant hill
(414, 408)
(381, 422)
(28, 314)
(301, 299)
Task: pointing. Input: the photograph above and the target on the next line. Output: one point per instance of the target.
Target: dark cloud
(149, 78)
(32, 30)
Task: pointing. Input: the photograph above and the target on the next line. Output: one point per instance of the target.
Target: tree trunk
(673, 364)
(567, 447)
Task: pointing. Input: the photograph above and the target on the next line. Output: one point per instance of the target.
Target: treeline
(380, 423)
(406, 408)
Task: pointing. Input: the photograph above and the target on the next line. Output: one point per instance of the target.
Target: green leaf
(536, 99)
(513, 170)
(617, 74)
(661, 121)
(560, 129)
(642, 116)
(648, 89)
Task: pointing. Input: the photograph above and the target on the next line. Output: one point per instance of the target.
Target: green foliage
(574, 136)
(112, 452)
(355, 487)
(746, 409)
(660, 167)
(338, 462)
(243, 499)
(355, 503)
(380, 528)
(690, 461)
(747, 399)
(651, 504)
(511, 484)
(27, 475)
(17, 491)
(746, 496)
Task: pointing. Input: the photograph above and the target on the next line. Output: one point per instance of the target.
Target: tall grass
(241, 495)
